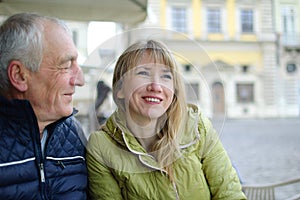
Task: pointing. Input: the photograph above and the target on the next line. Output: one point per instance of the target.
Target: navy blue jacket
(24, 173)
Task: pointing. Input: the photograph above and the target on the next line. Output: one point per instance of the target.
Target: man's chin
(67, 111)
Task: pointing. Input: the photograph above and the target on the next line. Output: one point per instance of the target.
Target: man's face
(50, 89)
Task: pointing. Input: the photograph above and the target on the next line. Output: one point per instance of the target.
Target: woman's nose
(154, 87)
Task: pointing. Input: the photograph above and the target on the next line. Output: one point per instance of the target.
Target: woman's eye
(167, 76)
(143, 73)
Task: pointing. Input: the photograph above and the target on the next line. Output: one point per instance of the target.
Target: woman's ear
(120, 93)
(17, 75)
(119, 88)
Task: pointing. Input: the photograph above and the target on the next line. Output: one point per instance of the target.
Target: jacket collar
(117, 129)
(15, 108)
(18, 108)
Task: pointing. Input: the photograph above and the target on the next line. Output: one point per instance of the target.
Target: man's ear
(17, 75)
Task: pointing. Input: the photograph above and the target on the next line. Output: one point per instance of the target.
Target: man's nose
(78, 79)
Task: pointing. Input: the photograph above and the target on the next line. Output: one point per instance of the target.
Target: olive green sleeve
(102, 184)
(222, 178)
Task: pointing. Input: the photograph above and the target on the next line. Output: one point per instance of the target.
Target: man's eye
(65, 66)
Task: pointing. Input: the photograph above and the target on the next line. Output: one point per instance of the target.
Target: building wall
(287, 27)
(247, 59)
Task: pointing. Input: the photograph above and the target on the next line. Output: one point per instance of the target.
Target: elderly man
(41, 149)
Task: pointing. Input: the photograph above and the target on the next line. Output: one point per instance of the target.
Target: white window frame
(291, 25)
(245, 92)
(223, 19)
(180, 20)
(241, 20)
(219, 20)
(189, 19)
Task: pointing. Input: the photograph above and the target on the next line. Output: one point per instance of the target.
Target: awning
(123, 11)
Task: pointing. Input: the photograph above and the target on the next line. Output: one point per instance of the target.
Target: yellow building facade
(228, 50)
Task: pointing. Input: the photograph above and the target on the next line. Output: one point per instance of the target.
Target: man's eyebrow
(67, 58)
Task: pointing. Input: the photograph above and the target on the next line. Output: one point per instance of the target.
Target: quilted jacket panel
(25, 174)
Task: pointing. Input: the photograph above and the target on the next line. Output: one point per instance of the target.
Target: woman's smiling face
(147, 90)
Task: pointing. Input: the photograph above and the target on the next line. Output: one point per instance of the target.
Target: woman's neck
(145, 134)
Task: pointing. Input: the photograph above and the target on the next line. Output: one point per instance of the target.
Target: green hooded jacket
(120, 168)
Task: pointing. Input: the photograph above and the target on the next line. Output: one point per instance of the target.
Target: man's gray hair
(21, 38)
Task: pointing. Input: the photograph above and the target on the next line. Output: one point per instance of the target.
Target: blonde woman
(155, 145)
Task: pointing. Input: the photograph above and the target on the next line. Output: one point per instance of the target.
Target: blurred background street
(264, 151)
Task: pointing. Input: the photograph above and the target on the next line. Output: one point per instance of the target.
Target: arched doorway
(218, 99)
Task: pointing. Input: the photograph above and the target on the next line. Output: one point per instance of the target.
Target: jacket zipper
(175, 189)
(63, 164)
(40, 158)
(146, 164)
(42, 172)
(40, 163)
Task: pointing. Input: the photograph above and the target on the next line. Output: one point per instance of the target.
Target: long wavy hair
(167, 147)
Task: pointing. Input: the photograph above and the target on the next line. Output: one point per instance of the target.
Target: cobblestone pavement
(264, 151)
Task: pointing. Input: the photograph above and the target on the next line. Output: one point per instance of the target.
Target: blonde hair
(167, 147)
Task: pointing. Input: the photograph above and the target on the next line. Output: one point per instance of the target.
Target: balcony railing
(290, 39)
(267, 191)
